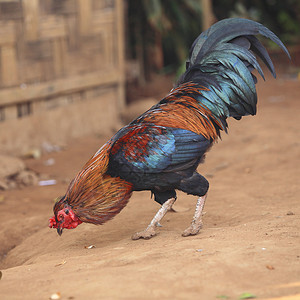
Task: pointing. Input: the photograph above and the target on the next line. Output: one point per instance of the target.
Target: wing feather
(155, 149)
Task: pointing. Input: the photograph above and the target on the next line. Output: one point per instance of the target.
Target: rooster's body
(161, 150)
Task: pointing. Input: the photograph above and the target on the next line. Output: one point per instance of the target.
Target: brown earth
(249, 244)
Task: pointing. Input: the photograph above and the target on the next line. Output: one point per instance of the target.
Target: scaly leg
(149, 232)
(196, 224)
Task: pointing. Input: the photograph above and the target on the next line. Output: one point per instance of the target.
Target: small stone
(290, 213)
(90, 247)
(55, 296)
(26, 178)
(3, 185)
(270, 267)
(11, 184)
(49, 162)
(10, 166)
(32, 153)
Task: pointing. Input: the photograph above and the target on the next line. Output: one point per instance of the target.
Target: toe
(146, 234)
(192, 230)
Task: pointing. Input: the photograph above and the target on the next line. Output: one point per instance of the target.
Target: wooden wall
(54, 52)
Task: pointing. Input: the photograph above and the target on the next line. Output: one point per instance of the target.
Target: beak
(59, 230)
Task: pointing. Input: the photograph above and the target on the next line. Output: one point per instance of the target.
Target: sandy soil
(249, 244)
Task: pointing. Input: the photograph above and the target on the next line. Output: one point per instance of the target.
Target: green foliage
(170, 26)
(176, 23)
(247, 296)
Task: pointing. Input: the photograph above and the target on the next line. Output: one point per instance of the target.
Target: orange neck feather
(182, 110)
(94, 196)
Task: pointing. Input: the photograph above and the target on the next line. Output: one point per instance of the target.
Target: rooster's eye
(67, 211)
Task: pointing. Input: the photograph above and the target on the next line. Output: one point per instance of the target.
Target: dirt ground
(250, 242)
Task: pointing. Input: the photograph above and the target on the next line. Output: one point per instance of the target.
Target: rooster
(161, 150)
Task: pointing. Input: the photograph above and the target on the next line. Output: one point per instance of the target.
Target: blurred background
(160, 32)
(73, 72)
(64, 60)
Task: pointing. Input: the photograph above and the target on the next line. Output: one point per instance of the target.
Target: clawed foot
(145, 234)
(193, 229)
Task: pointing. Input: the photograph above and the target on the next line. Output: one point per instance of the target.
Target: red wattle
(52, 223)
